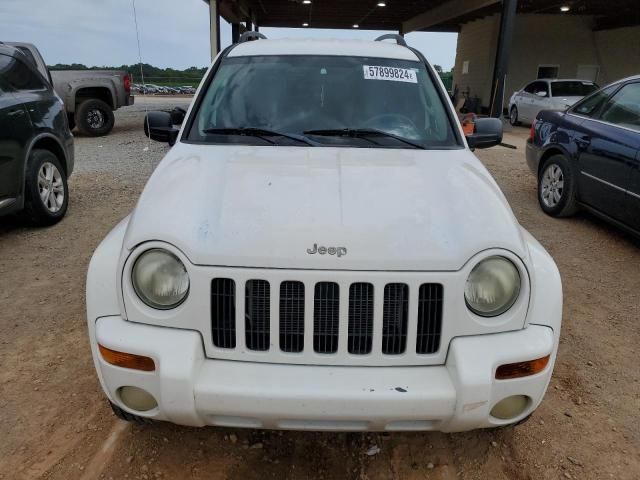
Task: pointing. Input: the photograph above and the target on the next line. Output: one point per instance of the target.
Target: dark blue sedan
(589, 156)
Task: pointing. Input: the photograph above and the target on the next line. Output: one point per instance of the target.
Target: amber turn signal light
(127, 360)
(521, 369)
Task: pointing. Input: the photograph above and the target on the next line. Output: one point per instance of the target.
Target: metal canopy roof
(338, 13)
(410, 15)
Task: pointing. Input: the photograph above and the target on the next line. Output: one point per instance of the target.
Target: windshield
(330, 100)
(572, 89)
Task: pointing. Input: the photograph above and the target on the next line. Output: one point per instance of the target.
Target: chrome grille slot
(223, 312)
(257, 313)
(291, 316)
(326, 317)
(429, 318)
(395, 318)
(360, 335)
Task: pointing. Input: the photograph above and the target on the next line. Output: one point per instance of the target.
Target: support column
(235, 32)
(501, 67)
(214, 28)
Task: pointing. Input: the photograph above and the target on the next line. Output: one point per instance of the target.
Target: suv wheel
(94, 118)
(129, 417)
(556, 187)
(513, 116)
(46, 192)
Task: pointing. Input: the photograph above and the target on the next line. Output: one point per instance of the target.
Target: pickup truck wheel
(94, 118)
(513, 116)
(71, 120)
(129, 417)
(46, 192)
(557, 188)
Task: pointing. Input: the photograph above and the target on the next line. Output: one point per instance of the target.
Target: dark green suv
(36, 145)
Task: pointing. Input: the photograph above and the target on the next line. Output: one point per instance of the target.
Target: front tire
(513, 116)
(129, 417)
(557, 187)
(518, 423)
(94, 118)
(46, 190)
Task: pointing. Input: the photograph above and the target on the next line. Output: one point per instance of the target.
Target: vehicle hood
(391, 209)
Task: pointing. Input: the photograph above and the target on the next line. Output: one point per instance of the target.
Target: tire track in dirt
(106, 451)
(58, 445)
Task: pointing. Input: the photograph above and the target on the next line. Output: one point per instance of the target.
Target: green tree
(159, 76)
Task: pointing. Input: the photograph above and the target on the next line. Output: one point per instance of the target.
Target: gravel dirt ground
(55, 422)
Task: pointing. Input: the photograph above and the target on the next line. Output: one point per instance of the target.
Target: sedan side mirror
(158, 126)
(542, 93)
(487, 133)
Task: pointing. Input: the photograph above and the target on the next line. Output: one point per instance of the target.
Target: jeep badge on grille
(339, 251)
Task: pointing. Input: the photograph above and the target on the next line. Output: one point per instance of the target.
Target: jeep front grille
(360, 332)
(257, 311)
(223, 312)
(350, 328)
(429, 318)
(326, 317)
(292, 316)
(394, 318)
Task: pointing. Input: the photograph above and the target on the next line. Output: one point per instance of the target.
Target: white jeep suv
(321, 250)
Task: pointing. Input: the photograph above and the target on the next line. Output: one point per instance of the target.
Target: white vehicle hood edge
(264, 207)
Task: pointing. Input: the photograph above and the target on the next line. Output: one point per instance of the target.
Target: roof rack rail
(393, 36)
(250, 36)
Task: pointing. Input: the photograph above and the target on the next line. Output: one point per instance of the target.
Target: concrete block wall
(564, 40)
(619, 53)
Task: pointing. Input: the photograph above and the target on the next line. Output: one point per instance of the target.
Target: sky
(173, 33)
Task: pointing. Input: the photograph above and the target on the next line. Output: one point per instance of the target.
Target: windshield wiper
(259, 133)
(362, 133)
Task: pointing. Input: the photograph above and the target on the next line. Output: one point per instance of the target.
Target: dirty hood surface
(389, 209)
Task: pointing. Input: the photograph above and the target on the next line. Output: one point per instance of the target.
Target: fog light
(137, 399)
(510, 407)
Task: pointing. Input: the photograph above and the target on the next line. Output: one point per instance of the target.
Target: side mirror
(177, 115)
(487, 133)
(158, 126)
(542, 93)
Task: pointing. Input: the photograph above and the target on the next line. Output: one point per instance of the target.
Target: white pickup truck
(89, 96)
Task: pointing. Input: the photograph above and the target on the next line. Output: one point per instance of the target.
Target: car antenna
(144, 89)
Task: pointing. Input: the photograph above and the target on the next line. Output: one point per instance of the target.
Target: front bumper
(193, 390)
(532, 153)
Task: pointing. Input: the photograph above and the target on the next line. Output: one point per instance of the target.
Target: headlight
(160, 279)
(493, 287)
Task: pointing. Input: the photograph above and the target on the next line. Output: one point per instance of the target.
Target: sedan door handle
(15, 113)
